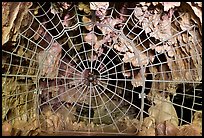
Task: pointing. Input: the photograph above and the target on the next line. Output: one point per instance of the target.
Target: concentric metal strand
(94, 91)
(75, 49)
(121, 97)
(67, 36)
(66, 54)
(111, 67)
(82, 105)
(101, 92)
(61, 94)
(117, 106)
(110, 100)
(70, 110)
(109, 112)
(50, 20)
(111, 61)
(63, 104)
(127, 70)
(124, 88)
(76, 102)
(34, 17)
(10, 63)
(182, 106)
(109, 48)
(86, 57)
(71, 59)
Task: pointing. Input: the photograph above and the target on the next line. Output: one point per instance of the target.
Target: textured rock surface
(12, 17)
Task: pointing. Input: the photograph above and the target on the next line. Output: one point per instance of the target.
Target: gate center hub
(90, 77)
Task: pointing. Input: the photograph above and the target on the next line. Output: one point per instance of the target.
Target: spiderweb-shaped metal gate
(102, 72)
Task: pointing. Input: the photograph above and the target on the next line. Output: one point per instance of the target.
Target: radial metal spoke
(90, 92)
(82, 106)
(117, 106)
(108, 79)
(109, 112)
(75, 103)
(112, 68)
(85, 52)
(110, 60)
(94, 92)
(131, 70)
(67, 78)
(55, 111)
(72, 59)
(61, 94)
(104, 58)
(75, 50)
(122, 98)
(123, 88)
